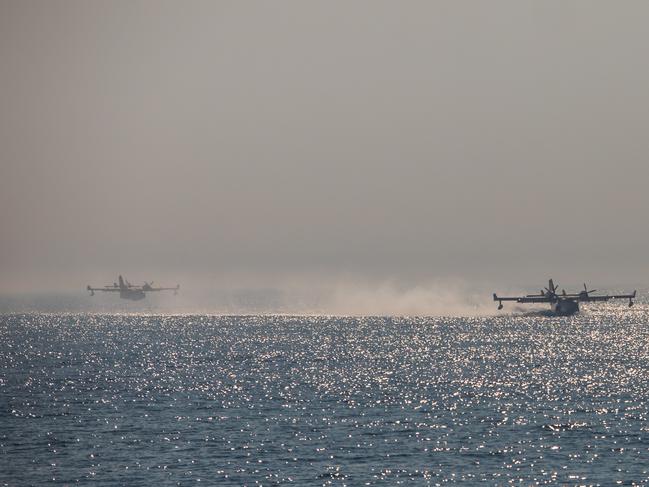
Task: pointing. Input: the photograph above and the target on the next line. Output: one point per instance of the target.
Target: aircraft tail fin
(121, 283)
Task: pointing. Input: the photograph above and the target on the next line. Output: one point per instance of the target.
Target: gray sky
(501, 141)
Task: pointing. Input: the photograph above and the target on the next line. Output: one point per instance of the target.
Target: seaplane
(563, 304)
(127, 290)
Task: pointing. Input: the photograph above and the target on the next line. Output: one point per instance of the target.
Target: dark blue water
(147, 400)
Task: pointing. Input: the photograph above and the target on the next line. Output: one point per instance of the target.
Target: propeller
(587, 291)
(553, 290)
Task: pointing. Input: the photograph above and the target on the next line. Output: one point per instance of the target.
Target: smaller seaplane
(127, 290)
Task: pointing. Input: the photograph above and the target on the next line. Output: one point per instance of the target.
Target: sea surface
(131, 399)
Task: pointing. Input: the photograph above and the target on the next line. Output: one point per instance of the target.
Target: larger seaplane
(127, 290)
(564, 304)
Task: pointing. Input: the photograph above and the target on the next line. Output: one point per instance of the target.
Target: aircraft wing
(164, 288)
(607, 297)
(524, 299)
(533, 299)
(110, 289)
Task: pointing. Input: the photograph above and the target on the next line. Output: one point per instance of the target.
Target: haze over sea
(148, 399)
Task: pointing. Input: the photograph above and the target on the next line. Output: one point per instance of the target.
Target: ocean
(142, 399)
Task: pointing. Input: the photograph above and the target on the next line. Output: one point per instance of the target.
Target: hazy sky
(504, 141)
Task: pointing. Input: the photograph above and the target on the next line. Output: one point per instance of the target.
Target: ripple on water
(320, 400)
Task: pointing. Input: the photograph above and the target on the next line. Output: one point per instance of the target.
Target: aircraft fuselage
(565, 307)
(132, 294)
